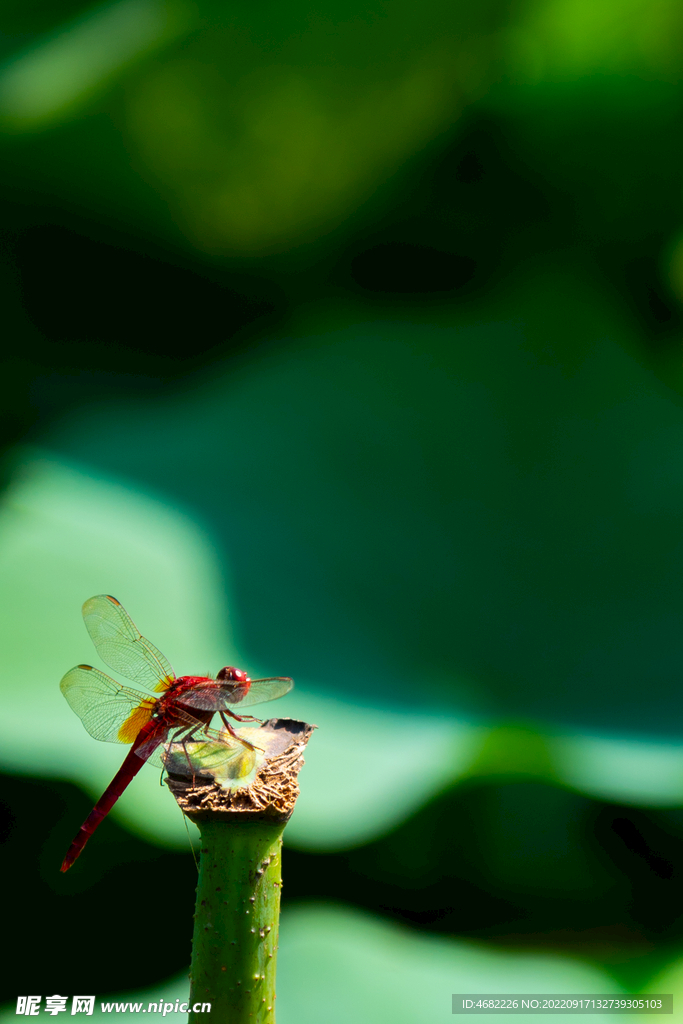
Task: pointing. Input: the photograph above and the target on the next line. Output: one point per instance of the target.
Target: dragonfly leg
(181, 739)
(239, 718)
(183, 743)
(232, 732)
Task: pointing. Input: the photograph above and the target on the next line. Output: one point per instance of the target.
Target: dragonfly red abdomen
(152, 735)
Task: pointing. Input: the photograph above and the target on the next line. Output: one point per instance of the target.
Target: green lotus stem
(234, 946)
(241, 819)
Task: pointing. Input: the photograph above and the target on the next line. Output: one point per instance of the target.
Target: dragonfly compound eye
(232, 675)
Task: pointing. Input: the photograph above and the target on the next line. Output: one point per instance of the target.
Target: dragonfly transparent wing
(108, 710)
(122, 647)
(179, 724)
(215, 754)
(262, 690)
(210, 695)
(193, 748)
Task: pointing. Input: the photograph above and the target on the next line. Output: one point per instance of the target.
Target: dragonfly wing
(122, 647)
(207, 695)
(210, 753)
(157, 758)
(182, 725)
(262, 690)
(215, 696)
(109, 711)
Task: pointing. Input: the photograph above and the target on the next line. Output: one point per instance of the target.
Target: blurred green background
(344, 341)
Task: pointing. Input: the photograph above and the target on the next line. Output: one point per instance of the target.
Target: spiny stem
(234, 945)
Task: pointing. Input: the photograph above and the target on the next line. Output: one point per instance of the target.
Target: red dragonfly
(182, 714)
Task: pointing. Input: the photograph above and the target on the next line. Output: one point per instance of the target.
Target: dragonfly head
(232, 675)
(240, 680)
